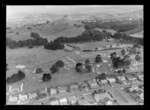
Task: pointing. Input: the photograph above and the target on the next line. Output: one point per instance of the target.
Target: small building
(104, 81)
(23, 98)
(32, 95)
(12, 99)
(68, 48)
(62, 89)
(131, 78)
(54, 102)
(122, 78)
(20, 66)
(53, 91)
(93, 83)
(63, 101)
(72, 100)
(74, 87)
(111, 80)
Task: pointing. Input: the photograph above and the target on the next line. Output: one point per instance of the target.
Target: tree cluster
(35, 42)
(46, 77)
(15, 77)
(55, 68)
(54, 46)
(118, 26)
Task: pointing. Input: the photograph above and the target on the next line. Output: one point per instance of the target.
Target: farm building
(68, 48)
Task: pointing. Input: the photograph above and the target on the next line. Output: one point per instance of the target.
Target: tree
(101, 76)
(54, 69)
(113, 55)
(98, 59)
(137, 57)
(88, 68)
(123, 52)
(15, 77)
(39, 70)
(87, 61)
(46, 77)
(60, 63)
(79, 68)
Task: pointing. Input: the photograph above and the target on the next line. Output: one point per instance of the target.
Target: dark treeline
(89, 35)
(35, 42)
(118, 26)
(95, 35)
(123, 38)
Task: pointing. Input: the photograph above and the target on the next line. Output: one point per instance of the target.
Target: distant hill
(51, 30)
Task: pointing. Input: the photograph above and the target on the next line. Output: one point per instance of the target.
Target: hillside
(62, 27)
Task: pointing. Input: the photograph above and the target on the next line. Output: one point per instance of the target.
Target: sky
(13, 10)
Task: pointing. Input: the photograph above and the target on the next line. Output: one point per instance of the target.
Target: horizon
(18, 11)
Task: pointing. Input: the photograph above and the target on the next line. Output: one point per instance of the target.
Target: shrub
(60, 63)
(46, 77)
(54, 69)
(15, 77)
(39, 70)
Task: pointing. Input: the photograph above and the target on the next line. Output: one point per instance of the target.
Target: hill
(50, 30)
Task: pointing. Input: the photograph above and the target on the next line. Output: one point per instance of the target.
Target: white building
(12, 99)
(23, 98)
(63, 101)
(20, 66)
(111, 80)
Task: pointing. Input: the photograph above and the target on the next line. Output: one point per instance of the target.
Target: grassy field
(50, 31)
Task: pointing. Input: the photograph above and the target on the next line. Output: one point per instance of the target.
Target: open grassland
(50, 31)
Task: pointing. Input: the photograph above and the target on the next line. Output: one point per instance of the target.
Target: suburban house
(63, 101)
(12, 99)
(131, 78)
(111, 80)
(122, 78)
(104, 81)
(93, 83)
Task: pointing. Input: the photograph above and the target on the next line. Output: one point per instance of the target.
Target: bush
(46, 77)
(39, 70)
(98, 59)
(15, 77)
(137, 57)
(88, 68)
(79, 68)
(54, 69)
(60, 63)
(30, 47)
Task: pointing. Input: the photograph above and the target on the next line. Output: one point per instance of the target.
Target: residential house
(12, 99)
(72, 100)
(63, 101)
(54, 102)
(90, 99)
(23, 98)
(131, 78)
(62, 89)
(83, 86)
(32, 95)
(111, 79)
(53, 91)
(74, 87)
(93, 83)
(104, 81)
(122, 78)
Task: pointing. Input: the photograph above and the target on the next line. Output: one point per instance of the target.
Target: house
(72, 100)
(63, 101)
(74, 87)
(23, 98)
(12, 99)
(131, 78)
(20, 66)
(93, 83)
(122, 78)
(53, 91)
(62, 89)
(32, 95)
(104, 81)
(111, 80)
(83, 85)
(54, 102)
(68, 48)
(90, 98)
